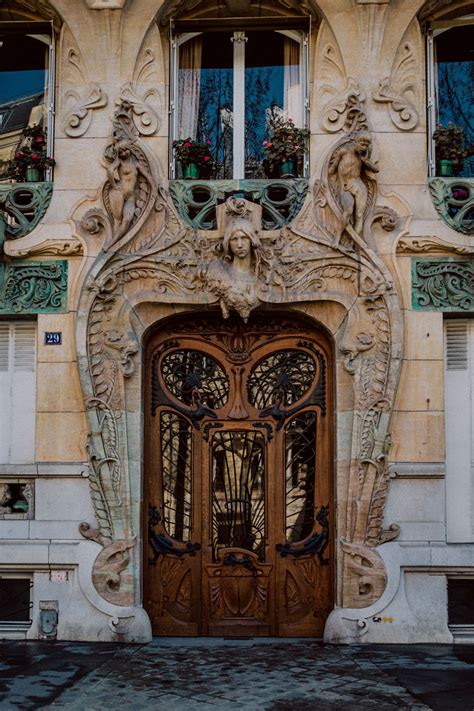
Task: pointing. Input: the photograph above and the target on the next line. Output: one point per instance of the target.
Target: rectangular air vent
(24, 347)
(457, 354)
(4, 347)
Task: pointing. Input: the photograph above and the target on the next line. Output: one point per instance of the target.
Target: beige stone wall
(371, 51)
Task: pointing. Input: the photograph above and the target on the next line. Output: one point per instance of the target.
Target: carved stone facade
(348, 249)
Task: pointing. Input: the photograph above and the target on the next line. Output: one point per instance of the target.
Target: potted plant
(451, 149)
(192, 156)
(284, 152)
(30, 159)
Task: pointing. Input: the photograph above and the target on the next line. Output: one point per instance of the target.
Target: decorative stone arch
(324, 264)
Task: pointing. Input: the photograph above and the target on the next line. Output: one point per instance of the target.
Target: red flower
(206, 158)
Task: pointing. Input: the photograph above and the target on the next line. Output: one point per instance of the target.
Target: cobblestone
(226, 675)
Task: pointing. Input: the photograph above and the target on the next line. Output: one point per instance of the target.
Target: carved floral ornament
(150, 255)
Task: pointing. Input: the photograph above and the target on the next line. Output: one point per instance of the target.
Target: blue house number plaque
(53, 338)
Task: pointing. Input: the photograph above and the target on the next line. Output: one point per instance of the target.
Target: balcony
(453, 199)
(22, 205)
(281, 200)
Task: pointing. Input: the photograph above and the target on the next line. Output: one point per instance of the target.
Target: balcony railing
(454, 201)
(22, 205)
(281, 200)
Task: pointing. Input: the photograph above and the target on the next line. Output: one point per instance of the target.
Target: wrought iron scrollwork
(315, 545)
(281, 200)
(284, 392)
(193, 383)
(161, 544)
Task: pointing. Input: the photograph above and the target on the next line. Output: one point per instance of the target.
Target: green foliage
(187, 151)
(31, 153)
(287, 142)
(451, 144)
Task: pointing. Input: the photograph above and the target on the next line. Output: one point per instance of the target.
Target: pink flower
(269, 145)
(264, 143)
(34, 155)
(209, 143)
(206, 158)
(290, 120)
(187, 145)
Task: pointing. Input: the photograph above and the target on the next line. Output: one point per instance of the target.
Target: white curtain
(189, 81)
(292, 81)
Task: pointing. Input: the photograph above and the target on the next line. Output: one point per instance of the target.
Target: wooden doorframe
(325, 341)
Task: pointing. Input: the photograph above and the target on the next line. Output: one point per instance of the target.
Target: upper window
(452, 97)
(229, 88)
(26, 93)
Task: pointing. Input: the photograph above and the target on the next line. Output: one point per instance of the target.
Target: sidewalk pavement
(227, 674)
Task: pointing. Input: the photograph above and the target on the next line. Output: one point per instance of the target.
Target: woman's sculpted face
(240, 244)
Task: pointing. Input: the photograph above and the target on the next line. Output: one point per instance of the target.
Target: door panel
(239, 479)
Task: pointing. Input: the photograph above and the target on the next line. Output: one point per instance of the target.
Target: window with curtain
(228, 89)
(451, 67)
(26, 80)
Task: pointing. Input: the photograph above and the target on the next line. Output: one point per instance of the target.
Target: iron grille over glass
(300, 476)
(285, 375)
(176, 463)
(187, 372)
(238, 491)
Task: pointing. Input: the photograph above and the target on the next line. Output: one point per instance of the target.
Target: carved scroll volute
(401, 90)
(83, 96)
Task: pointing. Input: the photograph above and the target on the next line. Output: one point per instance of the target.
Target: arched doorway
(239, 506)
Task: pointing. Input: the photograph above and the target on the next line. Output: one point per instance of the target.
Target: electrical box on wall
(48, 619)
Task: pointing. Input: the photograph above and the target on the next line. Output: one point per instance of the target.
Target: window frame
(181, 33)
(44, 32)
(435, 29)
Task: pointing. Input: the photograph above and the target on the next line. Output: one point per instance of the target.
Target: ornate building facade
(238, 404)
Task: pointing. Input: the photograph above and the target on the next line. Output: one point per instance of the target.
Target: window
(459, 381)
(228, 86)
(17, 392)
(451, 83)
(15, 599)
(26, 97)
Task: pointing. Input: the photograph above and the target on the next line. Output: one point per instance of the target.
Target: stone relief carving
(33, 287)
(431, 244)
(334, 113)
(145, 110)
(443, 285)
(129, 180)
(79, 116)
(151, 255)
(399, 90)
(47, 247)
(234, 276)
(350, 178)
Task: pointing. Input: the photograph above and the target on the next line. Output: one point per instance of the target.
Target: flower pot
(287, 169)
(191, 171)
(32, 174)
(446, 168)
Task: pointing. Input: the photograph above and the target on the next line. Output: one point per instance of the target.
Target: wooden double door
(238, 533)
